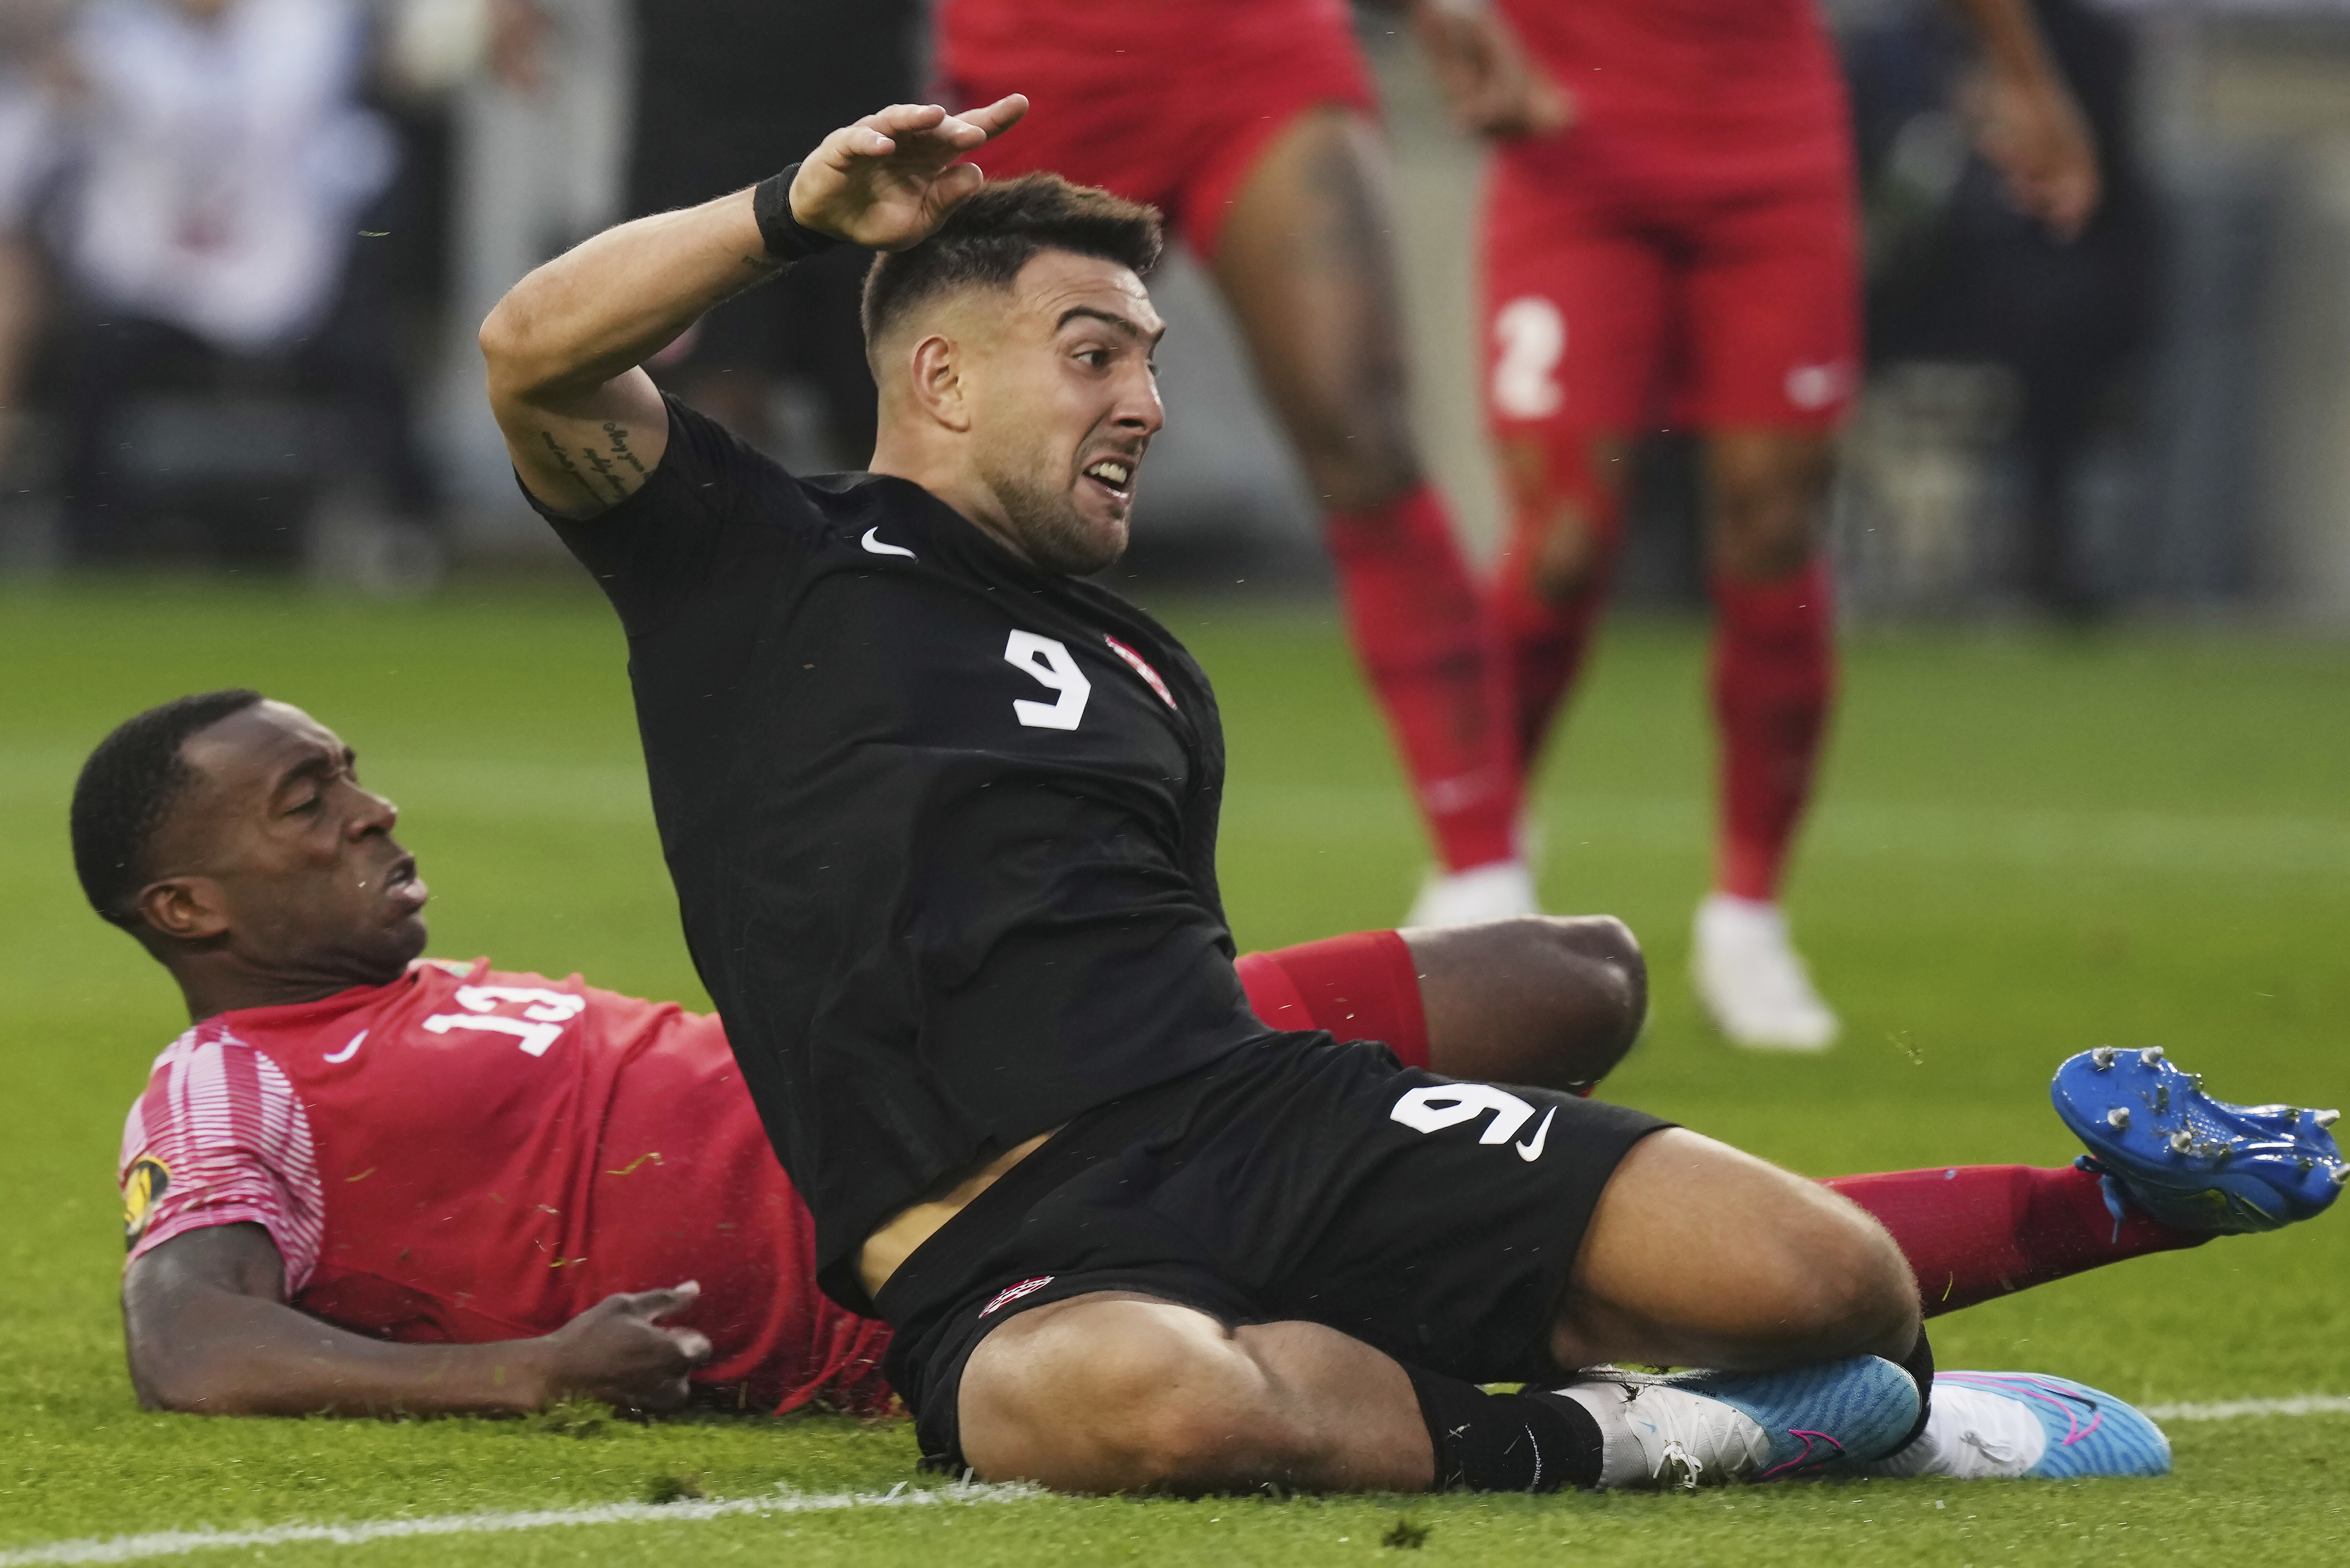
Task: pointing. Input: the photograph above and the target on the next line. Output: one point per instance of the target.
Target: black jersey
(943, 829)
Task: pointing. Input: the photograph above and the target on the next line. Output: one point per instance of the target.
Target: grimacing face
(1066, 402)
(297, 861)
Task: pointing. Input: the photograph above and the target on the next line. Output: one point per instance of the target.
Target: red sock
(1362, 986)
(1978, 1232)
(1428, 647)
(1773, 677)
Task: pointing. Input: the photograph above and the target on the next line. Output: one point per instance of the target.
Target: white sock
(1972, 1434)
(1621, 1462)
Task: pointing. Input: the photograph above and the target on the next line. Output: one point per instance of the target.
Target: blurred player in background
(30, 31)
(727, 92)
(1250, 124)
(1670, 237)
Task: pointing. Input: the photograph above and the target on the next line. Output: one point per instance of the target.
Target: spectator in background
(728, 91)
(28, 38)
(224, 163)
(1970, 278)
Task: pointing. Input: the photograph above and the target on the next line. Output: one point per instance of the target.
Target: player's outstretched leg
(1774, 680)
(2192, 1162)
(2007, 1426)
(1305, 259)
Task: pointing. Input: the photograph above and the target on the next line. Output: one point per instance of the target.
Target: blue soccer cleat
(1709, 1428)
(2192, 1162)
(2012, 1425)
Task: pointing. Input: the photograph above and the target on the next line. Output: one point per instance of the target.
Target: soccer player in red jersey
(456, 1157)
(1249, 124)
(1670, 237)
(362, 1182)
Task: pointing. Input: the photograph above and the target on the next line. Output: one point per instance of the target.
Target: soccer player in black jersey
(942, 819)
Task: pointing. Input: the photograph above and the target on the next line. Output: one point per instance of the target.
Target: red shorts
(1164, 103)
(1615, 311)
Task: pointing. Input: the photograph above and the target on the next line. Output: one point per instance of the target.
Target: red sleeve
(221, 1138)
(1360, 986)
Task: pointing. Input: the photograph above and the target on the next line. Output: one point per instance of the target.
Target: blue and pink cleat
(2192, 1162)
(2026, 1426)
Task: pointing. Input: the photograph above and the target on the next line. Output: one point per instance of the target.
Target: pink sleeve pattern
(220, 1139)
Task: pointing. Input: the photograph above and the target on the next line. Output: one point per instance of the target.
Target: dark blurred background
(243, 244)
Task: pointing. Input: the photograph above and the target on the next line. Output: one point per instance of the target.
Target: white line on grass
(179, 1542)
(2238, 1409)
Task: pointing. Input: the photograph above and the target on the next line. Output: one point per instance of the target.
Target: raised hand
(618, 1352)
(890, 179)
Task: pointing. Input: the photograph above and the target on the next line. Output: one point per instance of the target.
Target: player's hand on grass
(1492, 86)
(617, 1351)
(2028, 128)
(886, 181)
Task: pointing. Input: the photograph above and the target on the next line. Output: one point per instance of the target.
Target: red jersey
(464, 1155)
(1701, 97)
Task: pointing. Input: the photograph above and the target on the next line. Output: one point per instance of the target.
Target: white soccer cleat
(1490, 892)
(1751, 980)
(2007, 1426)
(1710, 1428)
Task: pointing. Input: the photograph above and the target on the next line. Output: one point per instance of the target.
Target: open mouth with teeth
(1114, 474)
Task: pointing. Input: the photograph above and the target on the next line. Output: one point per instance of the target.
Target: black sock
(1505, 1442)
(1920, 1365)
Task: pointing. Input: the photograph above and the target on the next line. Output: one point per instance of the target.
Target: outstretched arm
(566, 346)
(2026, 123)
(208, 1331)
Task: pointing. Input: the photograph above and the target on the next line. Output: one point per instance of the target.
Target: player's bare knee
(1159, 1399)
(1841, 1287)
(1766, 505)
(1596, 990)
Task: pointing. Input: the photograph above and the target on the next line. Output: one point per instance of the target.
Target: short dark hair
(128, 789)
(992, 235)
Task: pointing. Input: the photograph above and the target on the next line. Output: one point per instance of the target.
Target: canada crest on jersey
(148, 1180)
(1141, 666)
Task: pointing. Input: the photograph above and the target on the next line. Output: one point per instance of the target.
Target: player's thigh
(1577, 307)
(1699, 1254)
(1771, 295)
(1304, 258)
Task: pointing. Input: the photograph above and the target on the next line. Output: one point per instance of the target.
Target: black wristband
(787, 239)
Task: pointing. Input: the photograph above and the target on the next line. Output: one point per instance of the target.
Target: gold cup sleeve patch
(142, 1188)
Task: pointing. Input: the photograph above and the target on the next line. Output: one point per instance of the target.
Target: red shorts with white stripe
(1165, 103)
(1616, 309)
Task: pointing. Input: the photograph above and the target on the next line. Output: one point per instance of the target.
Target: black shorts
(1298, 1179)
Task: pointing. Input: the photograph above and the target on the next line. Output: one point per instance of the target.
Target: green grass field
(2022, 848)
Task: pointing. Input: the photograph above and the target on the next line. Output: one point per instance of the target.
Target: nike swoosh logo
(1531, 1151)
(347, 1052)
(878, 548)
